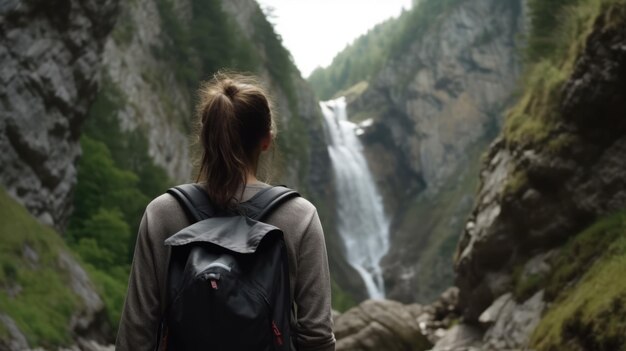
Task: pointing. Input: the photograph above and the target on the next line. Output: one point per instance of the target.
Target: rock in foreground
(380, 325)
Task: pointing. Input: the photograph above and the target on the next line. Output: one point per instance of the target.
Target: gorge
(474, 143)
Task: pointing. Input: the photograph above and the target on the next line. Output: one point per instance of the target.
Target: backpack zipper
(277, 334)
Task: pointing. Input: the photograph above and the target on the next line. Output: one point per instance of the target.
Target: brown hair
(234, 116)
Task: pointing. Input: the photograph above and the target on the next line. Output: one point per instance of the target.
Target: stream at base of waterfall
(362, 224)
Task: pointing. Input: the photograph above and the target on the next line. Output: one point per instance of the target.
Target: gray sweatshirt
(308, 272)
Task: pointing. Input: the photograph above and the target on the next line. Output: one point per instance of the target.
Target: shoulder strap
(194, 200)
(267, 200)
(197, 204)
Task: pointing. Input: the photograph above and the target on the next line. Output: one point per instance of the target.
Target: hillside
(47, 298)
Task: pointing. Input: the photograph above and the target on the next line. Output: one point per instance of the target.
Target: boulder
(380, 325)
(461, 337)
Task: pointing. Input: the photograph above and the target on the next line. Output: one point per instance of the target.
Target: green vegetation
(35, 290)
(361, 60)
(357, 62)
(587, 291)
(341, 301)
(525, 287)
(124, 30)
(208, 43)
(515, 182)
(560, 30)
(116, 180)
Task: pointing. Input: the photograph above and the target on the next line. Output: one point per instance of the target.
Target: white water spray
(361, 218)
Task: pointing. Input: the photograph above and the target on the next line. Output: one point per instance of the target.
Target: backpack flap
(235, 233)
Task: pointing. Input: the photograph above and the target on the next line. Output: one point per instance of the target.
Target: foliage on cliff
(585, 288)
(361, 60)
(588, 292)
(116, 180)
(357, 62)
(211, 41)
(34, 288)
(559, 31)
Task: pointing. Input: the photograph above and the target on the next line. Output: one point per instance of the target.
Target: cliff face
(535, 195)
(154, 101)
(536, 262)
(50, 54)
(433, 108)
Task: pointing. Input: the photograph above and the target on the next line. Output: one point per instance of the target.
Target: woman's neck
(251, 179)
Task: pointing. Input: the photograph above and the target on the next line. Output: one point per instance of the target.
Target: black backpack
(228, 278)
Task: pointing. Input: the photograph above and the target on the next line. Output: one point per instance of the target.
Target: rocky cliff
(51, 54)
(153, 100)
(536, 262)
(433, 107)
(537, 193)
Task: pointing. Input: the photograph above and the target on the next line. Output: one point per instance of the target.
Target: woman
(236, 127)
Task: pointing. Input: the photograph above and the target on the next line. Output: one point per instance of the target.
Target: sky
(314, 31)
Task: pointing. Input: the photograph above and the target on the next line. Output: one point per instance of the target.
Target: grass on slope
(562, 28)
(588, 313)
(34, 292)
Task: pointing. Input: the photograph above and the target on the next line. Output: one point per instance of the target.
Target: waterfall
(362, 224)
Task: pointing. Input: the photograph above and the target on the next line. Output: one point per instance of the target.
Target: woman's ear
(266, 142)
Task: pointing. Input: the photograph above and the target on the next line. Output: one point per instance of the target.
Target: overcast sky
(315, 31)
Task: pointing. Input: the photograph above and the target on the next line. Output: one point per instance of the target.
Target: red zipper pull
(279, 336)
(214, 284)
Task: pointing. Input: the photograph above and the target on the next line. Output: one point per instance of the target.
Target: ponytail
(234, 117)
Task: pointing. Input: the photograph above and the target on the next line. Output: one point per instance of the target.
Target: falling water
(362, 223)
